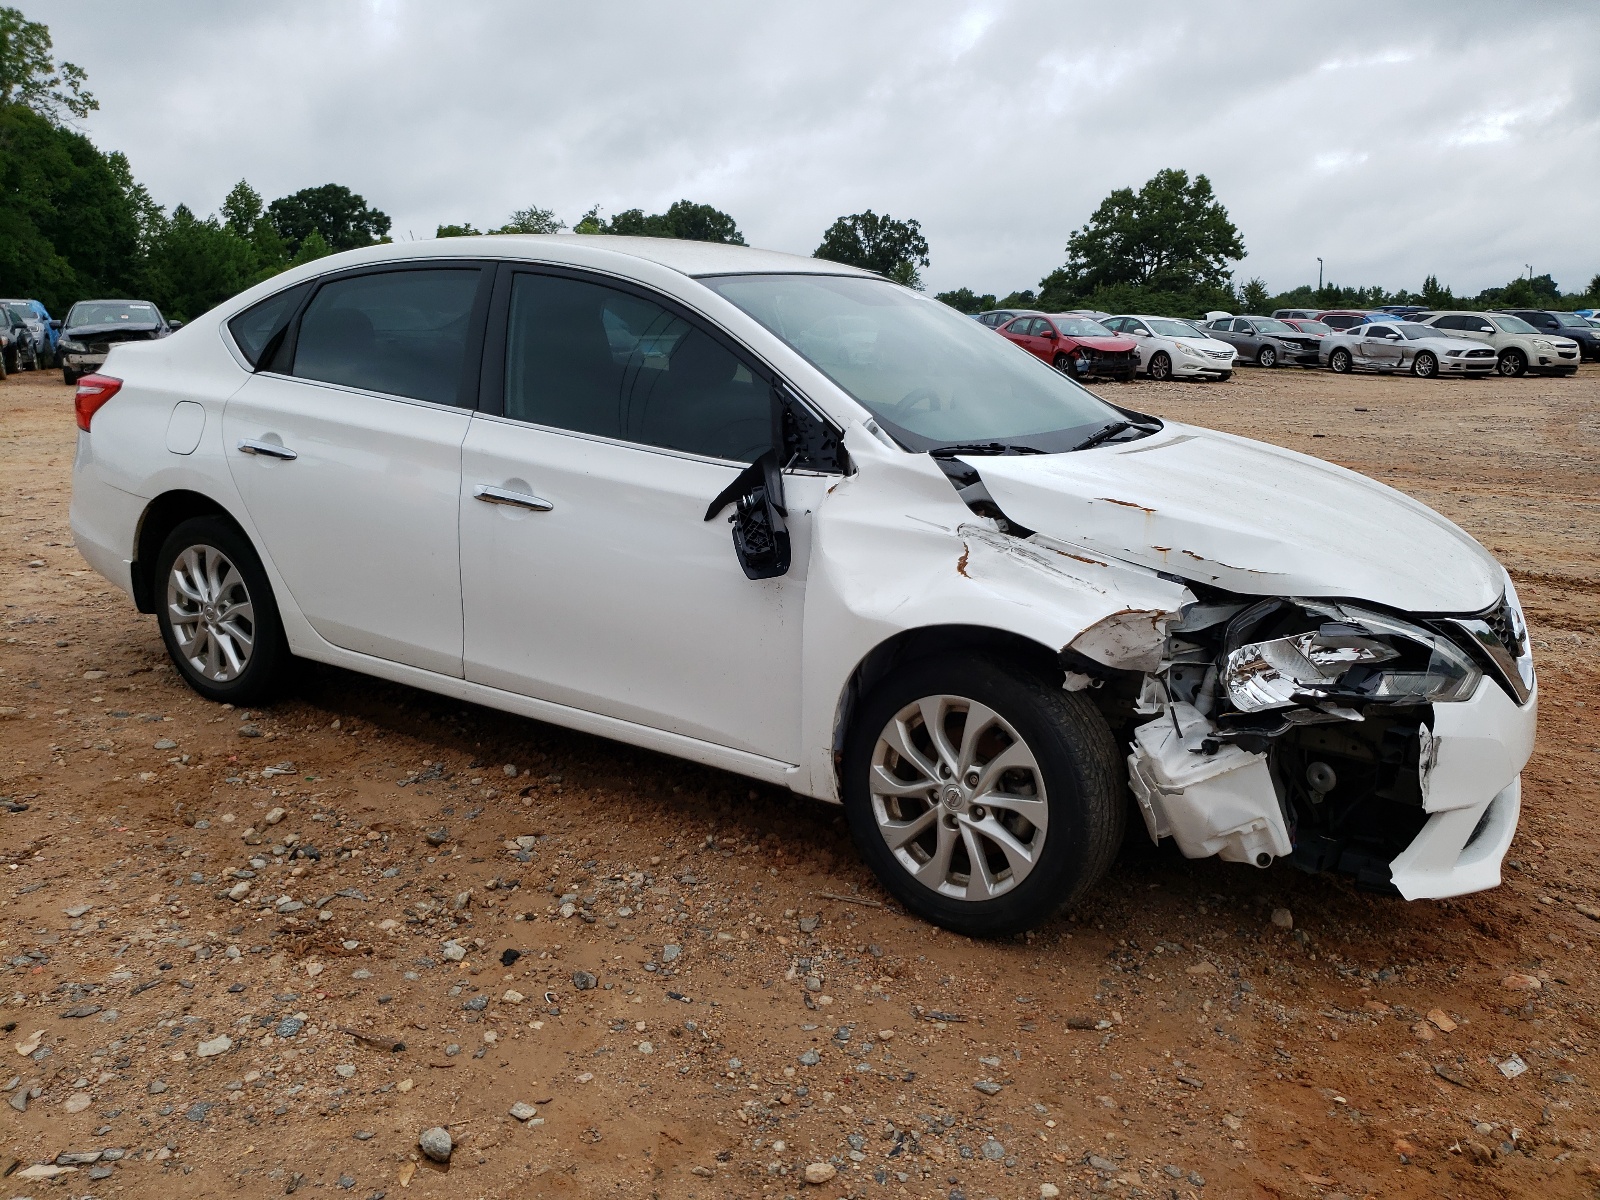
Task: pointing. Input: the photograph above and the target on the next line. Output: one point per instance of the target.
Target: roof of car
(688, 258)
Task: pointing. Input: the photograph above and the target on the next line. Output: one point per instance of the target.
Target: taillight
(93, 392)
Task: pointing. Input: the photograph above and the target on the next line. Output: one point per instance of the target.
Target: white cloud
(1466, 147)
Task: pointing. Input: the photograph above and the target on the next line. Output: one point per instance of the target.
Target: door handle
(267, 449)
(494, 495)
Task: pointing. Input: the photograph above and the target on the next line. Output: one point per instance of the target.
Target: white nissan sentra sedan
(797, 522)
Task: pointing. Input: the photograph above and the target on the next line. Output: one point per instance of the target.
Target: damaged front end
(1345, 738)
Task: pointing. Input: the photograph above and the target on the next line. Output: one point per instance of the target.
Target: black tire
(69, 376)
(1339, 362)
(266, 665)
(1425, 365)
(1160, 368)
(1224, 377)
(1083, 776)
(1513, 362)
(1266, 357)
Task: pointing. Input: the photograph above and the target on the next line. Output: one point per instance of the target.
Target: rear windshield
(929, 375)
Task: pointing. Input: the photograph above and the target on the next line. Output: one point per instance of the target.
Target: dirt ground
(260, 952)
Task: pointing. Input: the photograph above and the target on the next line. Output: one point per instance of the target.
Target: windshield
(1081, 327)
(1315, 327)
(1268, 325)
(109, 312)
(1571, 321)
(929, 375)
(1511, 324)
(20, 310)
(1166, 328)
(1416, 332)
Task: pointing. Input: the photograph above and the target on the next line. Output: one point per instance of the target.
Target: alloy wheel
(1160, 368)
(1268, 357)
(211, 613)
(958, 797)
(1425, 366)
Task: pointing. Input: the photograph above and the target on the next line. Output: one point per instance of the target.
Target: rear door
(347, 452)
(591, 576)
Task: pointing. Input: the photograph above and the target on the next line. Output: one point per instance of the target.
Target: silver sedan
(1404, 346)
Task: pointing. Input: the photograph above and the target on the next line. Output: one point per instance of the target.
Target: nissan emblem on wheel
(795, 521)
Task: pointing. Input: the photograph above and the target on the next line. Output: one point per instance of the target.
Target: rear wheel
(1339, 361)
(1161, 366)
(1512, 363)
(1266, 357)
(982, 795)
(1425, 365)
(216, 612)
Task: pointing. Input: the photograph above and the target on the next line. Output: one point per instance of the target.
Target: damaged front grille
(1500, 635)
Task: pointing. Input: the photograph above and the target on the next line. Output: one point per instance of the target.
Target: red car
(1076, 346)
(1306, 325)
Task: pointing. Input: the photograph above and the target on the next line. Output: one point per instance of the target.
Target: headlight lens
(73, 346)
(1188, 349)
(1542, 344)
(1349, 656)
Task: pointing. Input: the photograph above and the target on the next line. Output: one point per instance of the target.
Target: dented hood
(1248, 517)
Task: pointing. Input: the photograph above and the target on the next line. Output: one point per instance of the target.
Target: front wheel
(1224, 376)
(1425, 365)
(1512, 363)
(1339, 362)
(217, 614)
(982, 795)
(1161, 367)
(1063, 363)
(69, 376)
(1266, 357)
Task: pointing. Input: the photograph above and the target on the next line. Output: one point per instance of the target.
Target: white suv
(792, 520)
(1518, 346)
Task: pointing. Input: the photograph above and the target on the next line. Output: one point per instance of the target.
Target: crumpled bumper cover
(1472, 791)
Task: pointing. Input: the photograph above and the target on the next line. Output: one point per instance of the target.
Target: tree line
(75, 223)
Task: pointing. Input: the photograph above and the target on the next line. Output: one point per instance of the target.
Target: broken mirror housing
(1346, 655)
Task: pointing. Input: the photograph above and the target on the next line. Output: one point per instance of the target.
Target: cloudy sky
(1394, 140)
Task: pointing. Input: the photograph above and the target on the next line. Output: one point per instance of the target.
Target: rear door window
(403, 333)
(264, 320)
(588, 358)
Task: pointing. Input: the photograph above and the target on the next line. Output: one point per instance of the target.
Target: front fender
(895, 550)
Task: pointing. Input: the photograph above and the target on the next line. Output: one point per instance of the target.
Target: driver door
(591, 577)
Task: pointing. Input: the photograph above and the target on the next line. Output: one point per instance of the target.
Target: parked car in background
(937, 582)
(1563, 324)
(1172, 349)
(1344, 318)
(1518, 346)
(1308, 326)
(1265, 341)
(1400, 310)
(1077, 346)
(21, 349)
(44, 331)
(997, 317)
(92, 327)
(1285, 314)
(1387, 347)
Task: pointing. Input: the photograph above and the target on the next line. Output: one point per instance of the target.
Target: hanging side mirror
(760, 531)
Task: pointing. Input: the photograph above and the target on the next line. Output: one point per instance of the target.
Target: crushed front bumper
(1224, 802)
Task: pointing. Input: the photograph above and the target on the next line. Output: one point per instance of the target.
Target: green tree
(967, 301)
(1435, 296)
(467, 230)
(333, 210)
(1026, 298)
(30, 75)
(1172, 235)
(242, 208)
(67, 228)
(877, 243)
(1253, 297)
(532, 220)
(1594, 289)
(314, 247)
(684, 219)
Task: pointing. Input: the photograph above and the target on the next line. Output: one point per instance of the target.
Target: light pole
(1319, 272)
(1530, 271)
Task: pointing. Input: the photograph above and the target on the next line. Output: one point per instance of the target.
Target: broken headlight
(1329, 656)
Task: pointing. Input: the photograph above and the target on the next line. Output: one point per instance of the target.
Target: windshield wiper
(983, 448)
(1103, 433)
